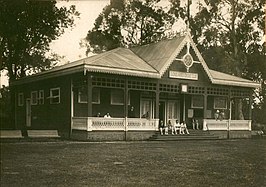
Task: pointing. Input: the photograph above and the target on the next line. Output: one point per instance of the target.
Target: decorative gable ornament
(187, 59)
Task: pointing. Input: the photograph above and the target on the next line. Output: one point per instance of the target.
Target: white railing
(115, 124)
(212, 124)
(240, 125)
(142, 124)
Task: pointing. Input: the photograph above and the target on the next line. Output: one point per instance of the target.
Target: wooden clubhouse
(163, 81)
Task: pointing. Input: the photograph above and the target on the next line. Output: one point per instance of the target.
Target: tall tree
(133, 22)
(26, 29)
(229, 34)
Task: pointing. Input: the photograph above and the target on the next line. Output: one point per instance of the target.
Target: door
(28, 113)
(173, 109)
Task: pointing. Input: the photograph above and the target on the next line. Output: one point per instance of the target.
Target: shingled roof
(150, 61)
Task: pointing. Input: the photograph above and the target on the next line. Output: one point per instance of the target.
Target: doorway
(28, 113)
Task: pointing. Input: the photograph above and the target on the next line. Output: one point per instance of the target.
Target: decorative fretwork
(240, 93)
(108, 82)
(218, 91)
(196, 90)
(140, 85)
(169, 88)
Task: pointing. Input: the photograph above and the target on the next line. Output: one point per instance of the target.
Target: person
(222, 115)
(107, 115)
(166, 129)
(216, 114)
(161, 126)
(195, 124)
(171, 126)
(184, 129)
(131, 112)
(99, 114)
(177, 127)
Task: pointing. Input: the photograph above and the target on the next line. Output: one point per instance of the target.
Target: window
(82, 97)
(220, 103)
(54, 95)
(41, 97)
(20, 99)
(34, 98)
(117, 97)
(96, 96)
(197, 101)
(146, 108)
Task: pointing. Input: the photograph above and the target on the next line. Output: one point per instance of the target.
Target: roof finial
(189, 2)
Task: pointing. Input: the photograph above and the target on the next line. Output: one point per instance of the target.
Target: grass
(183, 163)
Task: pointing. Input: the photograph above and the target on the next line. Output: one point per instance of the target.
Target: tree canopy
(132, 22)
(229, 34)
(26, 31)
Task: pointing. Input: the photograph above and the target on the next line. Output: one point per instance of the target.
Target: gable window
(96, 96)
(220, 103)
(41, 97)
(54, 95)
(34, 98)
(197, 101)
(117, 97)
(82, 97)
(20, 99)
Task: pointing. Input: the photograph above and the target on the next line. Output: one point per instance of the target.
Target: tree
(228, 33)
(26, 30)
(133, 22)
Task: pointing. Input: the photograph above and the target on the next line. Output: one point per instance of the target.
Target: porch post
(230, 114)
(157, 101)
(89, 83)
(250, 106)
(126, 98)
(205, 104)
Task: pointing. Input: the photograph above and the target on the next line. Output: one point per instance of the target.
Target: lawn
(180, 163)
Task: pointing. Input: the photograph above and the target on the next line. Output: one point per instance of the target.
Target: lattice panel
(140, 85)
(240, 93)
(217, 91)
(169, 88)
(196, 90)
(108, 82)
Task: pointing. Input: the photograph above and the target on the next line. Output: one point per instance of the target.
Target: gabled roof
(160, 55)
(150, 61)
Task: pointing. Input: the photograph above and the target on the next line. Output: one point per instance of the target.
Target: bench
(11, 134)
(43, 134)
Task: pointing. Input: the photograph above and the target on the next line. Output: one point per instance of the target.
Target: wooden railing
(212, 124)
(114, 124)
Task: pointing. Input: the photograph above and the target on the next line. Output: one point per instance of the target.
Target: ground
(179, 163)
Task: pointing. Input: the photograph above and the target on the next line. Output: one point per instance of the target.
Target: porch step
(194, 135)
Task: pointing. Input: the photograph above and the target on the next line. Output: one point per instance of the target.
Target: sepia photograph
(131, 93)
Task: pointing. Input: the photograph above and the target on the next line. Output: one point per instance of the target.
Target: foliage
(229, 34)
(134, 22)
(5, 108)
(26, 30)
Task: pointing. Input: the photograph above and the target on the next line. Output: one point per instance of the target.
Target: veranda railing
(114, 124)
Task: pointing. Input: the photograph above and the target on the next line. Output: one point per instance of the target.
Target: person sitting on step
(177, 127)
(184, 129)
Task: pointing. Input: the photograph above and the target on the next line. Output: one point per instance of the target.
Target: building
(163, 81)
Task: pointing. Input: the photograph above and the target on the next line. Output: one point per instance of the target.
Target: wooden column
(157, 101)
(205, 104)
(126, 98)
(89, 84)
